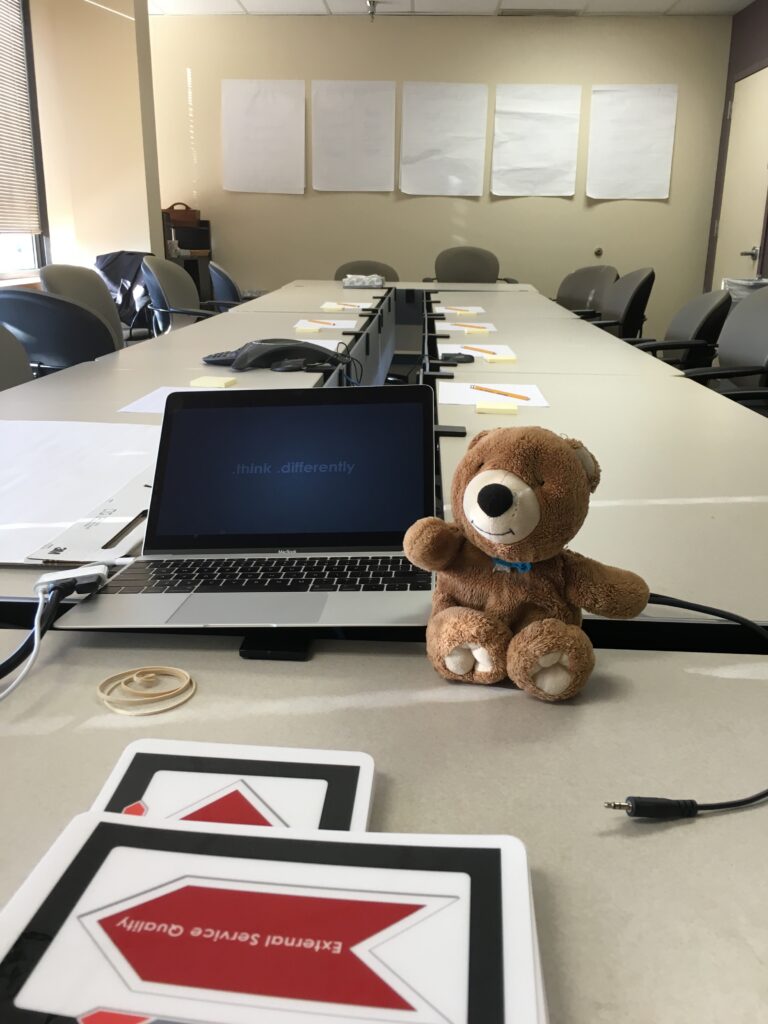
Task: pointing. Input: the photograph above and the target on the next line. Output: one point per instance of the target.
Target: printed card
(226, 784)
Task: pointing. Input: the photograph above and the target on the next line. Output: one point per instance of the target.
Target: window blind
(19, 208)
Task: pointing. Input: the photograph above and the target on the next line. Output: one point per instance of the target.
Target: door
(745, 190)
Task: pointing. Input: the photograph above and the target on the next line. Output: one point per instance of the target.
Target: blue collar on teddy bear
(502, 565)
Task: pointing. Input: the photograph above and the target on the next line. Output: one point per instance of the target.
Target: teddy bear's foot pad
(553, 674)
(468, 658)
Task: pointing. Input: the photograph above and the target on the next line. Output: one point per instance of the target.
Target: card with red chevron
(129, 922)
(278, 787)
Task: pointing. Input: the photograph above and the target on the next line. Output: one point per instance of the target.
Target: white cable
(37, 632)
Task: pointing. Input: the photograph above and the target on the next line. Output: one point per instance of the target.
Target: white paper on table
(477, 327)
(499, 351)
(631, 139)
(535, 140)
(442, 146)
(460, 310)
(325, 325)
(339, 307)
(52, 473)
(262, 135)
(353, 136)
(453, 393)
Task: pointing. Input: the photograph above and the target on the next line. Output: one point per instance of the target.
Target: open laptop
(280, 508)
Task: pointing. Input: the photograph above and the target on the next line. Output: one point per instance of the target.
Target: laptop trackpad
(249, 610)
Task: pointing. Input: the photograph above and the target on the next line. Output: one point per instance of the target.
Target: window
(21, 212)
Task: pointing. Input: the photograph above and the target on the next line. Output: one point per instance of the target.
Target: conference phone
(278, 354)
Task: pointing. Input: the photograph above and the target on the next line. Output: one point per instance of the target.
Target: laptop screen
(337, 469)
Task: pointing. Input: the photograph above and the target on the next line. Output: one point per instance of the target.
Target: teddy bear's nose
(495, 499)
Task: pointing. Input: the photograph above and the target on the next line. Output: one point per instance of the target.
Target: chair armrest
(749, 395)
(606, 323)
(587, 314)
(718, 372)
(651, 345)
(429, 279)
(199, 313)
(509, 280)
(219, 303)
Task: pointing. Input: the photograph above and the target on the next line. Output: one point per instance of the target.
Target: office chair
(623, 309)
(173, 298)
(14, 365)
(467, 263)
(584, 288)
(55, 332)
(742, 353)
(366, 267)
(223, 287)
(693, 331)
(87, 289)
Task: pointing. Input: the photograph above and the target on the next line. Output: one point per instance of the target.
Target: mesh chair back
(55, 332)
(744, 339)
(14, 364)
(467, 263)
(366, 267)
(585, 287)
(169, 287)
(701, 319)
(224, 287)
(87, 289)
(626, 299)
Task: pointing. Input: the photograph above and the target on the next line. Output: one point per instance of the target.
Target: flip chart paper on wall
(353, 136)
(631, 138)
(536, 140)
(442, 148)
(262, 135)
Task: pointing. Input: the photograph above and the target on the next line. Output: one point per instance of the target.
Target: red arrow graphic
(258, 943)
(232, 809)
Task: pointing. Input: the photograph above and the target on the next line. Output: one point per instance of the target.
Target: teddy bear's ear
(477, 437)
(588, 461)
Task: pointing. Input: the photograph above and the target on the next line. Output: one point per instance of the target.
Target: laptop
(280, 508)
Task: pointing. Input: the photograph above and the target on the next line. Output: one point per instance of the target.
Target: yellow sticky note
(474, 330)
(497, 408)
(212, 382)
(332, 307)
(501, 359)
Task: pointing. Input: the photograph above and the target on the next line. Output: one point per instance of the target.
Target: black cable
(664, 809)
(55, 596)
(719, 613)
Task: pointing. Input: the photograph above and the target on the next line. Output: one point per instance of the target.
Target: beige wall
(266, 240)
(100, 190)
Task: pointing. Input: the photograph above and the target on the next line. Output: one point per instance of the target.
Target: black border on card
(339, 800)
(486, 977)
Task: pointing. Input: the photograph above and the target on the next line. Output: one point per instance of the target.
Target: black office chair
(87, 288)
(584, 289)
(742, 353)
(366, 268)
(693, 331)
(623, 309)
(14, 364)
(467, 263)
(55, 332)
(173, 298)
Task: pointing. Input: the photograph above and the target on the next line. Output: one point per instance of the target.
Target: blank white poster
(442, 148)
(353, 136)
(262, 135)
(536, 140)
(631, 138)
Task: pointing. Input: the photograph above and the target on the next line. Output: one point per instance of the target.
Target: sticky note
(475, 330)
(212, 382)
(497, 408)
(501, 359)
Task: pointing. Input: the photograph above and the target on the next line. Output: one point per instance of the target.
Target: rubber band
(140, 691)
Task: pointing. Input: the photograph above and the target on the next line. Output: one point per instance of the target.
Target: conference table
(629, 914)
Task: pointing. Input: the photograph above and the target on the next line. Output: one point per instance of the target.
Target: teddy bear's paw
(468, 658)
(552, 674)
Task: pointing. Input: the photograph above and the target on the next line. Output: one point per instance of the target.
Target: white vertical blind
(19, 209)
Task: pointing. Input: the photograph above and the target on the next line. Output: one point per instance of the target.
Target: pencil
(325, 323)
(495, 391)
(476, 348)
(479, 327)
(457, 309)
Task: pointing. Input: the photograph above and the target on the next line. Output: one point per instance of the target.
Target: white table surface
(638, 923)
(311, 297)
(516, 305)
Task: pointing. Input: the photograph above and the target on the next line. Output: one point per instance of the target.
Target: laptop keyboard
(248, 575)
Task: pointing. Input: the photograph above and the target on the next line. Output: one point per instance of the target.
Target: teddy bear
(509, 593)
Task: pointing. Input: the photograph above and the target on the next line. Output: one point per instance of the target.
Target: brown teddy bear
(509, 594)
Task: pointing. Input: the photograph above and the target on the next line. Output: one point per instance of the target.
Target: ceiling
(438, 7)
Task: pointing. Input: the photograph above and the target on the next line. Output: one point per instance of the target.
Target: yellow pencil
(476, 348)
(495, 391)
(325, 323)
(477, 327)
